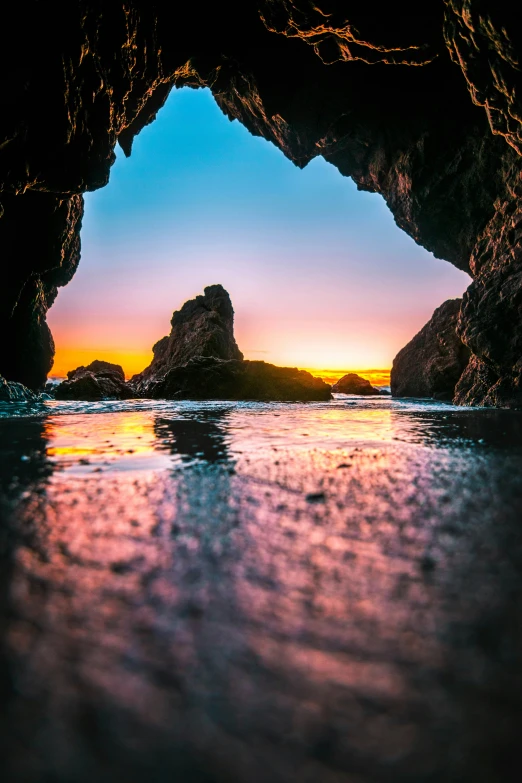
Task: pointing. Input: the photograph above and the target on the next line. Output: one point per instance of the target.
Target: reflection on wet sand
(201, 436)
(82, 444)
(253, 593)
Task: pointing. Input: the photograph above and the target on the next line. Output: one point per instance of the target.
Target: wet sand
(253, 592)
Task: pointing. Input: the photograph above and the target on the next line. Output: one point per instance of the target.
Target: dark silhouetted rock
(10, 391)
(432, 363)
(40, 232)
(98, 381)
(200, 360)
(203, 327)
(101, 368)
(354, 384)
(207, 378)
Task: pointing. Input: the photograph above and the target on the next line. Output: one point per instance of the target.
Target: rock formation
(200, 360)
(203, 327)
(423, 108)
(98, 381)
(433, 361)
(10, 391)
(354, 384)
(206, 378)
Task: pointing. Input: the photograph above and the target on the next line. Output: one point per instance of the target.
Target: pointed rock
(200, 360)
(203, 327)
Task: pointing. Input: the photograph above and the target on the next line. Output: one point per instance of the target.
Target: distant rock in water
(200, 360)
(10, 391)
(354, 384)
(432, 363)
(207, 378)
(98, 381)
(203, 327)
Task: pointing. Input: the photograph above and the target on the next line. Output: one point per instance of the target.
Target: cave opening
(319, 274)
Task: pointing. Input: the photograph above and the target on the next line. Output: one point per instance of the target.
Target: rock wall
(422, 107)
(433, 361)
(40, 243)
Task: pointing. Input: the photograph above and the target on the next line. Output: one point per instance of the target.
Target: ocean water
(260, 591)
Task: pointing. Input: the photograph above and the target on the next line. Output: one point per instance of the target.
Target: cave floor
(226, 592)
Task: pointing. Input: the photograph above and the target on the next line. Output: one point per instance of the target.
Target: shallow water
(253, 592)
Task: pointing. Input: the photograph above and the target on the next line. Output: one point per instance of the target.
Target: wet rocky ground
(241, 593)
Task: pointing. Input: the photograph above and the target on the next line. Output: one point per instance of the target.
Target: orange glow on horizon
(376, 377)
(133, 362)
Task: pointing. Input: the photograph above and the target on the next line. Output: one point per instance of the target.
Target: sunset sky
(319, 274)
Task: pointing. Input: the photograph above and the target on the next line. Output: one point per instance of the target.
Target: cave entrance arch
(422, 108)
(319, 274)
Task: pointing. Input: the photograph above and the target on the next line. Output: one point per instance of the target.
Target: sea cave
(224, 569)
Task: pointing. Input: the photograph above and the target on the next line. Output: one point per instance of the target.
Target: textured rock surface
(203, 327)
(351, 383)
(491, 313)
(485, 40)
(206, 378)
(433, 361)
(98, 381)
(423, 108)
(10, 391)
